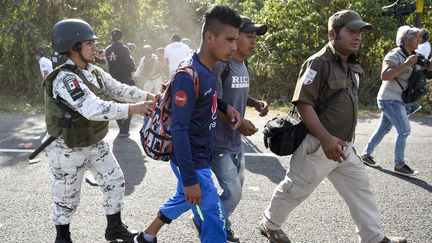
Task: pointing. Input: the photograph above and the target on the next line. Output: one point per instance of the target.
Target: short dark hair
(337, 31)
(116, 35)
(218, 15)
(39, 52)
(175, 37)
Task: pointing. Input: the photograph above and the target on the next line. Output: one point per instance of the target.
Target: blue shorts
(212, 217)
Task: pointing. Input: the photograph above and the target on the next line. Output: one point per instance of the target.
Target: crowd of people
(207, 127)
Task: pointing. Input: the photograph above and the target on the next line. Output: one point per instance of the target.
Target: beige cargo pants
(308, 167)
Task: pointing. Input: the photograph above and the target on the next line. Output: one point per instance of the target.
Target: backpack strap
(399, 84)
(225, 73)
(193, 73)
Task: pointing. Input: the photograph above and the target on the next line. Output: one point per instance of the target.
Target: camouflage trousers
(67, 172)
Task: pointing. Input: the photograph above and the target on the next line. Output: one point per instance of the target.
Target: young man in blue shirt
(192, 122)
(232, 84)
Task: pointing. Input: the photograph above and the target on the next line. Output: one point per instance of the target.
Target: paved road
(405, 203)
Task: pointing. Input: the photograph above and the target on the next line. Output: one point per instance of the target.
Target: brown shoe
(274, 236)
(394, 240)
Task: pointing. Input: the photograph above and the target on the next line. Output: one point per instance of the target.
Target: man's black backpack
(417, 87)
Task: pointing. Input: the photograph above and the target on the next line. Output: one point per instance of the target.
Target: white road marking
(16, 150)
(258, 154)
(254, 188)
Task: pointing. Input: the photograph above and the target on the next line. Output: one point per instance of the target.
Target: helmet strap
(78, 48)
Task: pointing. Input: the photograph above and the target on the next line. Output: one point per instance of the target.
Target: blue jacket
(193, 120)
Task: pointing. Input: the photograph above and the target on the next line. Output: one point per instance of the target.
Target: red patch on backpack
(180, 98)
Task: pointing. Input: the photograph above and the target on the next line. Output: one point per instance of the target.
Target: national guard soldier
(77, 113)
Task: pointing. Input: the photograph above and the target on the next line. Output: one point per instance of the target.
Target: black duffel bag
(284, 133)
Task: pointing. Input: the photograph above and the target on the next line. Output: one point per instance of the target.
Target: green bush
(297, 29)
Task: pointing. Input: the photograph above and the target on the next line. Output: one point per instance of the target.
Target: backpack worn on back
(417, 87)
(155, 133)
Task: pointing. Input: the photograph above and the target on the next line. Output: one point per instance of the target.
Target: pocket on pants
(301, 175)
(302, 169)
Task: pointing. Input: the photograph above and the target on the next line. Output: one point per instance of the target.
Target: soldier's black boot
(116, 230)
(63, 234)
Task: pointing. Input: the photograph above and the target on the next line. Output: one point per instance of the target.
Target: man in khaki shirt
(327, 150)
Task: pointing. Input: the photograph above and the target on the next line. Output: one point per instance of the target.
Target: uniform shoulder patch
(309, 76)
(73, 87)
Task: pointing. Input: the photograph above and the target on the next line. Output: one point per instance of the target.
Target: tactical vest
(71, 126)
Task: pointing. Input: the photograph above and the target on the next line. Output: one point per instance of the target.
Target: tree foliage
(297, 29)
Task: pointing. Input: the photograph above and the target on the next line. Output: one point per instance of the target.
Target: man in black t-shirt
(120, 66)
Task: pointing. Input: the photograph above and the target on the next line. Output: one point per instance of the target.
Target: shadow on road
(267, 166)
(131, 161)
(424, 120)
(21, 128)
(418, 182)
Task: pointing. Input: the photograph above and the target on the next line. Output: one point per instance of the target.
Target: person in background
(424, 47)
(120, 66)
(57, 59)
(162, 65)
(175, 52)
(397, 67)
(45, 67)
(149, 75)
(45, 64)
(188, 42)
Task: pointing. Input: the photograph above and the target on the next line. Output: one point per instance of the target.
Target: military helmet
(68, 32)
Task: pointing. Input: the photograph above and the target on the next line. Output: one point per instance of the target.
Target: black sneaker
(231, 237)
(119, 232)
(369, 160)
(413, 109)
(63, 240)
(140, 239)
(406, 171)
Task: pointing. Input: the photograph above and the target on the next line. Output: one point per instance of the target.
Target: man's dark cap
(249, 26)
(349, 19)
